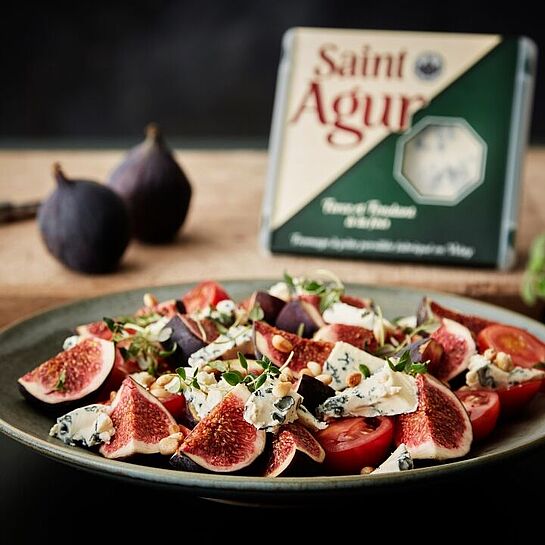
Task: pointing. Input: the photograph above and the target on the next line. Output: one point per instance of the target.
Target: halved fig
(440, 428)
(70, 375)
(171, 307)
(300, 315)
(427, 349)
(429, 309)
(140, 421)
(223, 441)
(352, 334)
(270, 305)
(313, 392)
(95, 329)
(182, 462)
(304, 350)
(292, 446)
(458, 347)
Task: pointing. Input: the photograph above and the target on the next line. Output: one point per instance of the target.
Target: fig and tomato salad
(300, 379)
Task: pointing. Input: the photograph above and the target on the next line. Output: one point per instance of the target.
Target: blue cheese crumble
(384, 393)
(235, 336)
(90, 425)
(399, 460)
(266, 411)
(344, 360)
(483, 373)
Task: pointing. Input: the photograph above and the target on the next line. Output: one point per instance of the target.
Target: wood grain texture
(220, 237)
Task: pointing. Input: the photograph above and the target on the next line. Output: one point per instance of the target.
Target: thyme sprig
(253, 382)
(405, 364)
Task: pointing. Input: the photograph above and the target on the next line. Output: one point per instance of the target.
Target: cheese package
(398, 145)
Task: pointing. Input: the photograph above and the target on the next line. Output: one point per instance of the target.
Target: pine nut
(367, 470)
(281, 389)
(168, 445)
(150, 300)
(159, 393)
(306, 372)
(163, 380)
(281, 344)
(489, 354)
(325, 378)
(286, 375)
(315, 368)
(504, 361)
(353, 379)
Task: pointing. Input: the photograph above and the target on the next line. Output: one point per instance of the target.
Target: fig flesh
(440, 428)
(84, 225)
(71, 375)
(140, 421)
(154, 187)
(223, 441)
(300, 316)
(304, 350)
(95, 329)
(292, 441)
(458, 347)
(429, 309)
(357, 336)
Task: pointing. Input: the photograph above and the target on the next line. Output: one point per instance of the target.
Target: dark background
(84, 72)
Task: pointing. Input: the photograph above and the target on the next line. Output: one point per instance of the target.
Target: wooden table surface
(219, 239)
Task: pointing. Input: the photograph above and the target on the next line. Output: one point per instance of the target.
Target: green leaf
(416, 368)
(364, 370)
(243, 361)
(264, 362)
(110, 324)
(288, 280)
(260, 381)
(195, 384)
(256, 313)
(181, 372)
(273, 370)
(300, 329)
(232, 377)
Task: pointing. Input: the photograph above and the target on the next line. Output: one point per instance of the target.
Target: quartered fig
(299, 316)
(154, 188)
(71, 375)
(291, 447)
(313, 391)
(140, 422)
(357, 336)
(84, 225)
(440, 428)
(266, 339)
(223, 441)
(458, 347)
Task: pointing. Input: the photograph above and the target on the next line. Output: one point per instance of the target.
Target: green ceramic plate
(29, 342)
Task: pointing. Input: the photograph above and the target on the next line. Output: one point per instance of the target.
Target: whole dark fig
(154, 187)
(84, 224)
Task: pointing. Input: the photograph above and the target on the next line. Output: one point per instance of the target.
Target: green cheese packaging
(398, 145)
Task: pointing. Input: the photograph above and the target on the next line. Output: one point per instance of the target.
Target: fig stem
(153, 133)
(59, 176)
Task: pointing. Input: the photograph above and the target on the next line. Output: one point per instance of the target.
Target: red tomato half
(353, 443)
(206, 294)
(483, 407)
(175, 405)
(525, 349)
(514, 398)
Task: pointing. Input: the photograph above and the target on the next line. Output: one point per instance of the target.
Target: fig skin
(154, 188)
(84, 225)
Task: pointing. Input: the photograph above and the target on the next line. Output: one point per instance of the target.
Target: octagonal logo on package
(398, 145)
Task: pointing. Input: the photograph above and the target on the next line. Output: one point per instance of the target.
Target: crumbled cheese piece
(235, 336)
(308, 420)
(399, 460)
(90, 425)
(266, 411)
(210, 392)
(70, 342)
(483, 373)
(384, 393)
(345, 359)
(280, 290)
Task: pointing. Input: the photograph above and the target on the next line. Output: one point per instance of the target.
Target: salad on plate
(301, 379)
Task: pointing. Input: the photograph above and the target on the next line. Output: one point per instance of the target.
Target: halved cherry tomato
(353, 443)
(175, 405)
(483, 407)
(206, 294)
(525, 349)
(514, 398)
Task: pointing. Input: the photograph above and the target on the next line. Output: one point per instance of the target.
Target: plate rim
(225, 483)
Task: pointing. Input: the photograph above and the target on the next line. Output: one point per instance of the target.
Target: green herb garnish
(61, 380)
(364, 370)
(404, 364)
